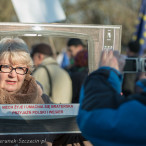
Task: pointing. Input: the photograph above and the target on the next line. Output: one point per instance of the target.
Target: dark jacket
(107, 118)
(78, 76)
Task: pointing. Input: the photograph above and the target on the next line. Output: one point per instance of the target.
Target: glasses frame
(14, 69)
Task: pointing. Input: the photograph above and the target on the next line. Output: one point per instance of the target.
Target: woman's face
(11, 81)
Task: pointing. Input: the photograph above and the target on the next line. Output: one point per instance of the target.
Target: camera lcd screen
(130, 65)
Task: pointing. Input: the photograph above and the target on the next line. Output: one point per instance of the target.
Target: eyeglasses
(18, 70)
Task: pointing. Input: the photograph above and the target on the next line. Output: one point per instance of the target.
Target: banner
(38, 111)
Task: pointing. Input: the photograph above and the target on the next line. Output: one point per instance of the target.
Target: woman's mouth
(11, 82)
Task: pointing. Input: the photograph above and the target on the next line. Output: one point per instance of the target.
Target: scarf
(30, 93)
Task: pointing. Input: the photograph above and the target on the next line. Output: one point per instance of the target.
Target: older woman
(17, 86)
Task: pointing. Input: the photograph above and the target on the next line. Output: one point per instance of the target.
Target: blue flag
(140, 33)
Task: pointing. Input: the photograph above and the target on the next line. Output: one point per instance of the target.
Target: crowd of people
(111, 105)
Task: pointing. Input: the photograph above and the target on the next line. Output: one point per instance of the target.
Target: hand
(112, 59)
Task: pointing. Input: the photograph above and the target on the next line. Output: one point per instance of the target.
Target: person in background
(105, 116)
(140, 82)
(55, 80)
(61, 88)
(79, 73)
(17, 86)
(140, 85)
(63, 59)
(133, 49)
(74, 45)
(79, 67)
(129, 78)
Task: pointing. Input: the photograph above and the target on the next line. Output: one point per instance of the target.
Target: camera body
(134, 65)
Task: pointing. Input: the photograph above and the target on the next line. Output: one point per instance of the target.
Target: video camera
(134, 65)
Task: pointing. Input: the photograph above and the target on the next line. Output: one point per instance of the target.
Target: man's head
(74, 46)
(40, 52)
(133, 49)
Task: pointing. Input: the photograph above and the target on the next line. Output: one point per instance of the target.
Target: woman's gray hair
(13, 44)
(16, 50)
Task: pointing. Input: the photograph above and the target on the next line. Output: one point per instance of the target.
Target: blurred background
(105, 12)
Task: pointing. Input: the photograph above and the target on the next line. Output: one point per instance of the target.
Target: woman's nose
(13, 73)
